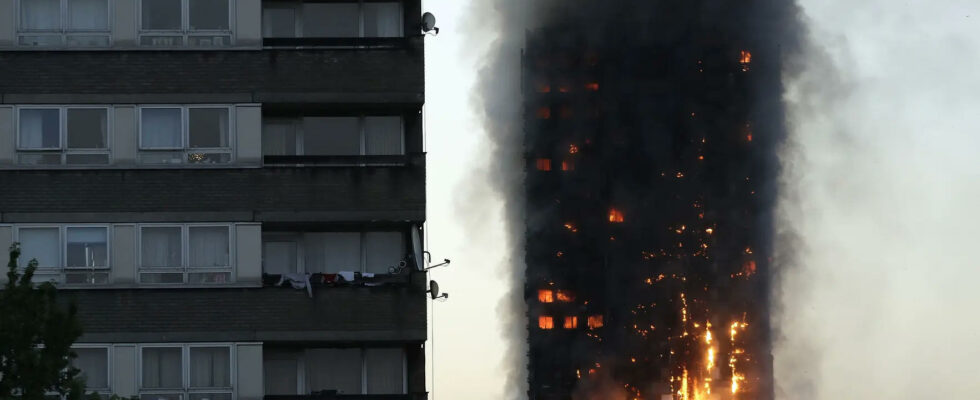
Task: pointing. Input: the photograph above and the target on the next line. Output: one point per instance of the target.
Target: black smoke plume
(635, 143)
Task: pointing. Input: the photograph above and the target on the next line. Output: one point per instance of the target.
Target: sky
(878, 218)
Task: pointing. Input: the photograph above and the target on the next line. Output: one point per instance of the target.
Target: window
(93, 364)
(372, 252)
(351, 371)
(72, 255)
(63, 136)
(177, 135)
(197, 23)
(194, 372)
(71, 23)
(331, 20)
(198, 254)
(348, 136)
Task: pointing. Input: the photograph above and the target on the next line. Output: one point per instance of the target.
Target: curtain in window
(334, 369)
(280, 375)
(382, 20)
(39, 129)
(161, 14)
(278, 22)
(94, 364)
(279, 257)
(208, 246)
(160, 247)
(208, 14)
(331, 136)
(208, 127)
(382, 250)
(162, 368)
(42, 244)
(279, 138)
(210, 367)
(334, 20)
(385, 373)
(87, 247)
(86, 128)
(40, 15)
(88, 15)
(383, 135)
(160, 128)
(333, 251)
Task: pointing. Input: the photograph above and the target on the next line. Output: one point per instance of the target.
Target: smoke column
(879, 214)
(661, 230)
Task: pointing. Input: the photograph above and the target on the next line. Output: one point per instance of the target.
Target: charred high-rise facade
(651, 130)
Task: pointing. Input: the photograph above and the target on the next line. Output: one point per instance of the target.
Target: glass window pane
(280, 372)
(383, 135)
(88, 15)
(40, 129)
(160, 247)
(330, 20)
(278, 22)
(279, 257)
(210, 367)
(334, 369)
(37, 15)
(161, 14)
(94, 366)
(385, 371)
(208, 246)
(331, 136)
(87, 247)
(42, 244)
(87, 128)
(208, 127)
(382, 250)
(160, 128)
(208, 14)
(382, 20)
(162, 368)
(279, 138)
(339, 251)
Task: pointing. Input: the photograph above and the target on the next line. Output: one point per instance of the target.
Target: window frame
(185, 33)
(63, 150)
(185, 269)
(59, 273)
(109, 354)
(306, 243)
(186, 150)
(185, 358)
(303, 362)
(64, 31)
(297, 7)
(297, 122)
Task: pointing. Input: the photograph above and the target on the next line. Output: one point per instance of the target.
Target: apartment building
(232, 191)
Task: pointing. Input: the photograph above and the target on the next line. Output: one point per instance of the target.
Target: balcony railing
(329, 396)
(351, 43)
(344, 161)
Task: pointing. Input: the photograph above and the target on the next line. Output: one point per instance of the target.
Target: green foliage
(36, 335)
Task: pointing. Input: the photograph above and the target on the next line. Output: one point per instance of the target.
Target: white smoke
(879, 213)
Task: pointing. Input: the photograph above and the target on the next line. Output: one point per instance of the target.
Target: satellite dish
(417, 249)
(433, 290)
(429, 23)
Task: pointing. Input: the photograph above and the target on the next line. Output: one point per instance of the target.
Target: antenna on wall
(429, 24)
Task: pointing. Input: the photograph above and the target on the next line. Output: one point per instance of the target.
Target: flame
(572, 149)
(593, 86)
(546, 322)
(615, 215)
(571, 227)
(571, 322)
(567, 166)
(595, 321)
(545, 296)
(565, 296)
(543, 164)
(563, 89)
(544, 113)
(745, 59)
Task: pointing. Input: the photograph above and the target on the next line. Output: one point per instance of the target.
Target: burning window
(615, 215)
(571, 227)
(595, 321)
(592, 86)
(545, 296)
(572, 149)
(546, 322)
(745, 58)
(544, 113)
(571, 322)
(543, 164)
(567, 166)
(565, 296)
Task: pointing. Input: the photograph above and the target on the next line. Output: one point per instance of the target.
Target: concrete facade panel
(249, 362)
(248, 23)
(248, 252)
(124, 135)
(124, 366)
(123, 263)
(8, 24)
(8, 139)
(124, 23)
(249, 138)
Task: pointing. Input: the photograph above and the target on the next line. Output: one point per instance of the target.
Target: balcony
(334, 396)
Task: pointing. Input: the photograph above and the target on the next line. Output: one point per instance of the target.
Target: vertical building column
(125, 134)
(248, 23)
(124, 367)
(123, 262)
(248, 253)
(8, 135)
(249, 365)
(124, 23)
(248, 124)
(8, 24)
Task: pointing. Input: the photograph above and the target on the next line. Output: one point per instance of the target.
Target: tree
(36, 334)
